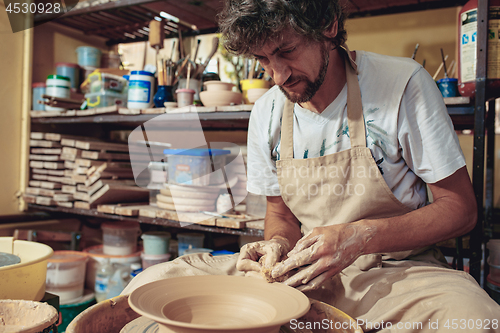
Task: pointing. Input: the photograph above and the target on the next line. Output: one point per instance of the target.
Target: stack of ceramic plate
(187, 198)
(239, 191)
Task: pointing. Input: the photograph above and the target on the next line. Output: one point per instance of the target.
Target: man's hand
(327, 251)
(255, 256)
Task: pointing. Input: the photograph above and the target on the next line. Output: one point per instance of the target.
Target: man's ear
(332, 30)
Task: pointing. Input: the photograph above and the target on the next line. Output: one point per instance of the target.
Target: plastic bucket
(72, 71)
(120, 238)
(66, 274)
(189, 241)
(156, 242)
(88, 56)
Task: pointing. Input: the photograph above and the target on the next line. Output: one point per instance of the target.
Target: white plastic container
(120, 238)
(140, 90)
(66, 274)
(190, 241)
(57, 86)
(194, 166)
(97, 257)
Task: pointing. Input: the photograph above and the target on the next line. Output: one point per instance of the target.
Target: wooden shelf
(157, 221)
(237, 120)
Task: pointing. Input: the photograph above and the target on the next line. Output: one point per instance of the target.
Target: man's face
(298, 66)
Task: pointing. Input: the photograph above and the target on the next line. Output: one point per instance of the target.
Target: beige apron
(345, 187)
(417, 295)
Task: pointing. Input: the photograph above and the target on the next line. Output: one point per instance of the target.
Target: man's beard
(311, 87)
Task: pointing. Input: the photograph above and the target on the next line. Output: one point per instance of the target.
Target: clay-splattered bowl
(218, 303)
(220, 98)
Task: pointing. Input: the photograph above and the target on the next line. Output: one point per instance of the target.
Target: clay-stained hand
(271, 252)
(326, 251)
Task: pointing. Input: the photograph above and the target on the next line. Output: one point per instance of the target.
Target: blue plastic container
(69, 70)
(199, 166)
(88, 56)
(38, 91)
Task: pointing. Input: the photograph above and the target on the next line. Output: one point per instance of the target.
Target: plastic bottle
(103, 276)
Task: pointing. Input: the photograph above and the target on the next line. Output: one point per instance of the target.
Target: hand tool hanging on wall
(156, 36)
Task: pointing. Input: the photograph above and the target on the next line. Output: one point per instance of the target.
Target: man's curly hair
(247, 24)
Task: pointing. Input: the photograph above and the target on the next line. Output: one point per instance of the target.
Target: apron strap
(355, 119)
(286, 142)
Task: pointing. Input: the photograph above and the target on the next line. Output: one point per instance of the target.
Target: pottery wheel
(140, 325)
(7, 259)
(146, 325)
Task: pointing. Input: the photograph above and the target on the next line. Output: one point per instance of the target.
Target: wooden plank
(153, 111)
(149, 211)
(45, 201)
(36, 164)
(230, 223)
(29, 199)
(118, 194)
(59, 173)
(71, 151)
(106, 146)
(62, 180)
(34, 183)
(81, 205)
(44, 157)
(107, 209)
(68, 189)
(32, 190)
(68, 142)
(46, 151)
(67, 157)
(67, 204)
(63, 197)
(44, 144)
(132, 210)
(53, 165)
(100, 155)
(50, 185)
(82, 196)
(36, 135)
(197, 218)
(37, 176)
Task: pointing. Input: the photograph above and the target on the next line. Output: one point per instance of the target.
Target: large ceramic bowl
(218, 85)
(220, 97)
(25, 280)
(218, 303)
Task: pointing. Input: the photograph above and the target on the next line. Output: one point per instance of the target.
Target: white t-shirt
(408, 129)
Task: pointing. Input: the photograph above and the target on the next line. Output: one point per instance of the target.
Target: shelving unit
(140, 12)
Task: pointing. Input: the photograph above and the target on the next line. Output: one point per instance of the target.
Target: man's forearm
(452, 214)
(280, 222)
